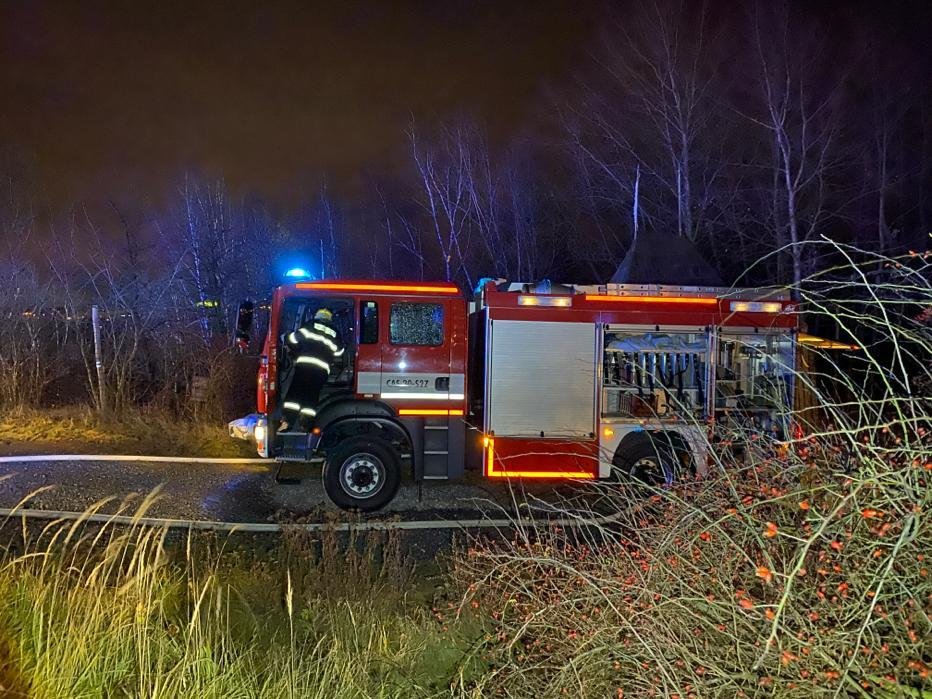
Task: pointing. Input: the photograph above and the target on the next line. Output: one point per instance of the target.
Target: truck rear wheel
(362, 473)
(648, 461)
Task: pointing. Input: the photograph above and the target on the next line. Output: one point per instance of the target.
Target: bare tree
(403, 234)
(326, 230)
(136, 312)
(601, 194)
(443, 175)
(800, 112)
(34, 334)
(206, 231)
(650, 112)
(885, 169)
(506, 212)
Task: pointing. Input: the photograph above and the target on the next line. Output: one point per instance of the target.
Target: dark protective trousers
(300, 405)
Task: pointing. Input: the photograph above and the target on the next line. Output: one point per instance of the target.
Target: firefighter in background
(314, 347)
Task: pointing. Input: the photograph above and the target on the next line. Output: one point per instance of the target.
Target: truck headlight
(260, 432)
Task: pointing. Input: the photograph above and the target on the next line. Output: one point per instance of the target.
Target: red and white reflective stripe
(425, 396)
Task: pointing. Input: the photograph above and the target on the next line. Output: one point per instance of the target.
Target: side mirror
(244, 318)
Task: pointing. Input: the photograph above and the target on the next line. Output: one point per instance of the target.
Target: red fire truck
(525, 381)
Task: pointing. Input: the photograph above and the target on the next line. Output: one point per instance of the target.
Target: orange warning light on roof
(400, 288)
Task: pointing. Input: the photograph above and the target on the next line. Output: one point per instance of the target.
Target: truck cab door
(417, 348)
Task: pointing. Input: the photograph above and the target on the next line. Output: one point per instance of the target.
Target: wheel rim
(652, 471)
(362, 476)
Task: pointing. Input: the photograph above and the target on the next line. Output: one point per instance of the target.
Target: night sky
(117, 99)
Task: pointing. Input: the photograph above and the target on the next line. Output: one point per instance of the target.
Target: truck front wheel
(362, 473)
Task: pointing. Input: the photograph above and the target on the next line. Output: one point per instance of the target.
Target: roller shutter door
(541, 379)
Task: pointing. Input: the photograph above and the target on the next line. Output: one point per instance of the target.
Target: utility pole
(98, 359)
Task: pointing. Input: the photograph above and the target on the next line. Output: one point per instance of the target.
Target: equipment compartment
(654, 374)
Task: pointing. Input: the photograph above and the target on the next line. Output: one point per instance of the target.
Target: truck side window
(417, 324)
(368, 322)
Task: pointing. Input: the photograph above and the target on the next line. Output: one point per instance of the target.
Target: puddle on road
(240, 499)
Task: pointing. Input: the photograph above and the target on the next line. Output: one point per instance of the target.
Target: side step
(294, 450)
(294, 446)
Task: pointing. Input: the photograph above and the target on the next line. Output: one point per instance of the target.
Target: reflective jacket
(316, 343)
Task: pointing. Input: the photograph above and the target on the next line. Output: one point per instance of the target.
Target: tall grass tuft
(91, 610)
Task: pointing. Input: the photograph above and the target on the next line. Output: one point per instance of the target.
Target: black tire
(648, 461)
(362, 473)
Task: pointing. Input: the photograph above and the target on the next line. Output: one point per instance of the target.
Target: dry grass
(82, 430)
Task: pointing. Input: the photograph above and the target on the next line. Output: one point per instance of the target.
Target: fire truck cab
(396, 400)
(526, 381)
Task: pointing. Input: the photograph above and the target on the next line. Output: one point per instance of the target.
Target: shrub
(757, 579)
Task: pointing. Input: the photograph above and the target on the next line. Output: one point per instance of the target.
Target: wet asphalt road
(231, 492)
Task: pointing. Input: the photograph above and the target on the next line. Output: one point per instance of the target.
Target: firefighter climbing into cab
(313, 349)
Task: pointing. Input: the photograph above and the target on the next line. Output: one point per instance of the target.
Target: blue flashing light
(482, 282)
(297, 273)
